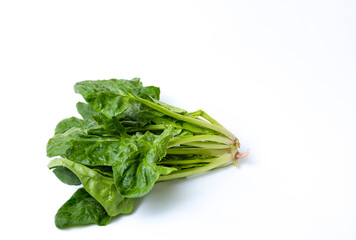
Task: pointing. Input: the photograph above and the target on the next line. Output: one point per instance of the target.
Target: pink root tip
(241, 155)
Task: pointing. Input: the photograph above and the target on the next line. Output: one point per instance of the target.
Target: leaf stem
(201, 113)
(209, 145)
(213, 138)
(187, 161)
(187, 118)
(197, 151)
(225, 159)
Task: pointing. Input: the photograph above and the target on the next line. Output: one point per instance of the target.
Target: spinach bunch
(125, 142)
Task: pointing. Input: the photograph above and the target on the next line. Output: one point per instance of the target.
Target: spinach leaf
(133, 158)
(81, 209)
(76, 145)
(126, 141)
(114, 96)
(100, 187)
(61, 142)
(98, 124)
(85, 110)
(150, 92)
(103, 170)
(112, 127)
(69, 123)
(66, 176)
(136, 170)
(110, 97)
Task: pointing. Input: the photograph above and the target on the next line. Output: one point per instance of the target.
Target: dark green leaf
(77, 145)
(150, 92)
(69, 123)
(110, 97)
(113, 97)
(103, 170)
(60, 143)
(96, 123)
(81, 209)
(66, 176)
(85, 110)
(100, 187)
(136, 170)
(112, 127)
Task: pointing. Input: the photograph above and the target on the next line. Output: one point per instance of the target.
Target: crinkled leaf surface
(66, 176)
(97, 123)
(136, 170)
(100, 187)
(133, 158)
(69, 123)
(113, 97)
(76, 145)
(117, 100)
(85, 110)
(112, 127)
(81, 209)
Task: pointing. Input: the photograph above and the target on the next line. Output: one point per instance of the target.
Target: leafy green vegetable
(126, 141)
(100, 187)
(81, 209)
(133, 158)
(66, 176)
(76, 145)
(69, 123)
(136, 171)
(112, 97)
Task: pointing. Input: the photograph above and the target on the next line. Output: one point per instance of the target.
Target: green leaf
(112, 127)
(117, 100)
(114, 96)
(60, 143)
(100, 187)
(69, 123)
(103, 170)
(110, 97)
(66, 176)
(126, 205)
(97, 123)
(85, 110)
(81, 209)
(78, 146)
(150, 92)
(136, 170)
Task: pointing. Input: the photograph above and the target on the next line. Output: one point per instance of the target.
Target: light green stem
(213, 138)
(225, 159)
(208, 145)
(201, 113)
(197, 151)
(186, 118)
(187, 161)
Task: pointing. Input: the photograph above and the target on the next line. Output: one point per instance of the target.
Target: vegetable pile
(126, 141)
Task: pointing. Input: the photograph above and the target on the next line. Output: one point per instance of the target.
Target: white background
(279, 74)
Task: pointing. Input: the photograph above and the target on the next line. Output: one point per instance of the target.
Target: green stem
(208, 145)
(201, 113)
(213, 138)
(187, 161)
(225, 159)
(197, 151)
(186, 118)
